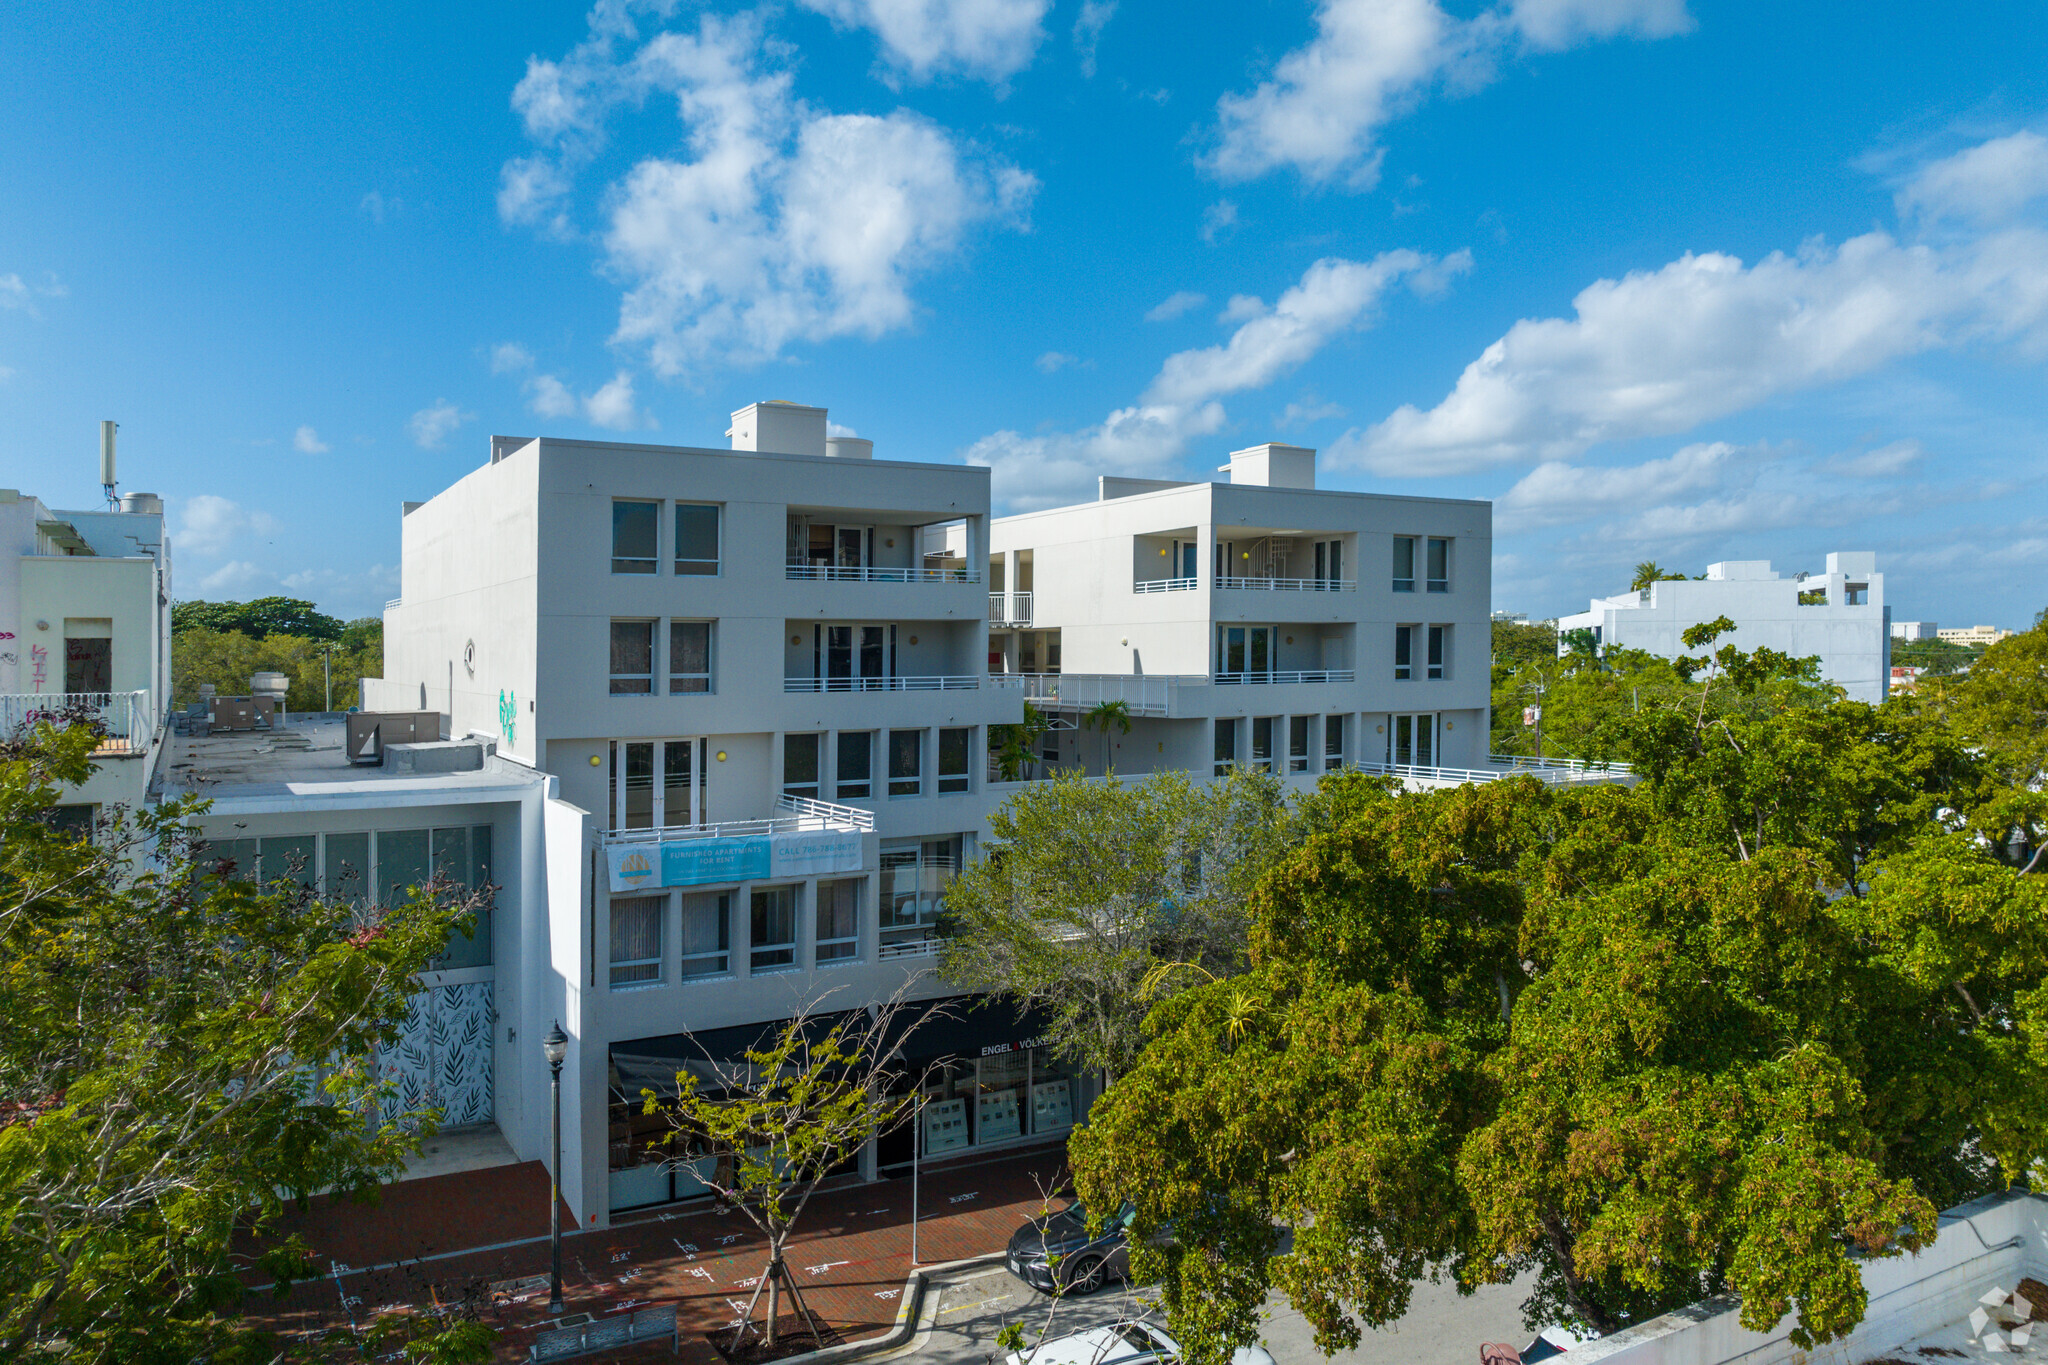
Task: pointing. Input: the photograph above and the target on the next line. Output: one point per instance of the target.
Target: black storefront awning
(967, 1027)
(712, 1056)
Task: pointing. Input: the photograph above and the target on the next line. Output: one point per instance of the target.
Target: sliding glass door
(1411, 740)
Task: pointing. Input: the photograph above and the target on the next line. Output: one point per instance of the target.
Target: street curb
(908, 1317)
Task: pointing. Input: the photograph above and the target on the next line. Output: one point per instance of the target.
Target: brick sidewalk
(851, 1251)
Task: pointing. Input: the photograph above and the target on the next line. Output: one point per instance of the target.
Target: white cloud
(377, 207)
(1301, 414)
(430, 427)
(1094, 17)
(207, 524)
(1370, 60)
(612, 405)
(1882, 463)
(509, 357)
(988, 39)
(1054, 361)
(17, 293)
(782, 223)
(307, 442)
(1556, 494)
(1659, 352)
(1241, 308)
(1332, 297)
(236, 580)
(1218, 220)
(547, 396)
(833, 429)
(1992, 182)
(1174, 304)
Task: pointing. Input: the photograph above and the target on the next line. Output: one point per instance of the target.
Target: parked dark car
(1055, 1255)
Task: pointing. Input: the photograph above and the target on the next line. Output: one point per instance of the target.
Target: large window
(771, 939)
(1333, 743)
(1226, 744)
(1439, 564)
(954, 748)
(645, 796)
(906, 763)
(856, 764)
(1404, 651)
(1262, 743)
(635, 525)
(1411, 740)
(1297, 743)
(706, 936)
(689, 656)
(1329, 560)
(1439, 651)
(1404, 563)
(915, 875)
(632, 658)
(696, 538)
(839, 919)
(800, 765)
(636, 940)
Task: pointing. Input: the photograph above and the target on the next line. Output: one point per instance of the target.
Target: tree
(228, 659)
(1089, 886)
(771, 1128)
(2000, 708)
(260, 617)
(1103, 715)
(1650, 571)
(1698, 1037)
(184, 1052)
(1016, 746)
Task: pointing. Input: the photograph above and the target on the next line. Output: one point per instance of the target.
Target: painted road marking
(698, 1271)
(963, 1198)
(887, 1293)
(821, 1269)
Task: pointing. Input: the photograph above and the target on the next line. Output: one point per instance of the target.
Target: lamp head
(556, 1044)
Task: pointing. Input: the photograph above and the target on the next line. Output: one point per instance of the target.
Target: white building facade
(85, 628)
(754, 689)
(1839, 615)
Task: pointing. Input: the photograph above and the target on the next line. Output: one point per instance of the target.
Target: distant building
(85, 628)
(1974, 635)
(1839, 615)
(1913, 630)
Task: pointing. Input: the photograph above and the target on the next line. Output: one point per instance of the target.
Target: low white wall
(1993, 1241)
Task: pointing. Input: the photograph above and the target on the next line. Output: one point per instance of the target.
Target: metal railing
(1290, 584)
(828, 813)
(1016, 611)
(1298, 675)
(805, 814)
(394, 602)
(995, 607)
(128, 718)
(1166, 585)
(1432, 773)
(1574, 765)
(834, 573)
(948, 682)
(916, 947)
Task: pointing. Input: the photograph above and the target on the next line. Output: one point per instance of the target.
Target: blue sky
(1666, 279)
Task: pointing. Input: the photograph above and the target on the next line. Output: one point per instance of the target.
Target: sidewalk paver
(485, 1228)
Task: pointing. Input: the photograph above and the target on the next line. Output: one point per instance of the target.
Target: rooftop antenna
(107, 430)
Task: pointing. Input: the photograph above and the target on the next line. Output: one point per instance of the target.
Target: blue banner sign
(704, 862)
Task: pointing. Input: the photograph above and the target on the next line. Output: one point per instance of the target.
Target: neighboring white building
(1975, 635)
(1839, 615)
(1260, 621)
(1914, 630)
(85, 626)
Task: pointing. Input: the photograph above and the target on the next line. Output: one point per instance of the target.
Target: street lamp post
(556, 1046)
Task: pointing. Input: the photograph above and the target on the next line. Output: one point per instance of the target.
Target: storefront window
(1053, 1087)
(999, 1096)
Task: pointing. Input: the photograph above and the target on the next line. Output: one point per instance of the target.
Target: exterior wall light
(595, 761)
(721, 755)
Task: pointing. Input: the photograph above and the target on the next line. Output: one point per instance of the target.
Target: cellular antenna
(107, 430)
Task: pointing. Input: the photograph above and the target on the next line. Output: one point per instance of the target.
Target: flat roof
(1178, 490)
(304, 761)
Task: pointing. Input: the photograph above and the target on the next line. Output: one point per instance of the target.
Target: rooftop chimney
(849, 448)
(779, 428)
(1272, 465)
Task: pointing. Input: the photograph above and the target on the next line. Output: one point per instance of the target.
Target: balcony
(128, 719)
(1287, 584)
(1009, 609)
(938, 682)
(796, 815)
(833, 573)
(1301, 675)
(1155, 694)
(1166, 585)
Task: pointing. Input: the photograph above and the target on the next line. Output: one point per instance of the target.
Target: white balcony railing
(1557, 776)
(128, 718)
(1165, 585)
(996, 607)
(1570, 765)
(1011, 608)
(1299, 675)
(1290, 584)
(833, 573)
(828, 814)
(1151, 694)
(800, 814)
(948, 682)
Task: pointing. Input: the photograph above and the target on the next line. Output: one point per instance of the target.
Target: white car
(1134, 1342)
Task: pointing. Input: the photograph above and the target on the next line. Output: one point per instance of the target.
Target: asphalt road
(1441, 1328)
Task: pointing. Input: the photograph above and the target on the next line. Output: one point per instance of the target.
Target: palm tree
(1105, 714)
(1648, 572)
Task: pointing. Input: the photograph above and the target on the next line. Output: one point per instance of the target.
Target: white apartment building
(85, 627)
(1260, 621)
(751, 691)
(1974, 635)
(1915, 630)
(1840, 616)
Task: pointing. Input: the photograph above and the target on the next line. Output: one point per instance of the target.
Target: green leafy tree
(767, 1132)
(1650, 571)
(1089, 886)
(1102, 716)
(2000, 708)
(259, 617)
(1016, 746)
(228, 659)
(1702, 1036)
(184, 1053)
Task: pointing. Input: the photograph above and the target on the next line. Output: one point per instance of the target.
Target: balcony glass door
(1411, 740)
(858, 658)
(643, 798)
(1244, 653)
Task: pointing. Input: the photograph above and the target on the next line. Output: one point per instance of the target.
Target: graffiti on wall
(508, 715)
(39, 665)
